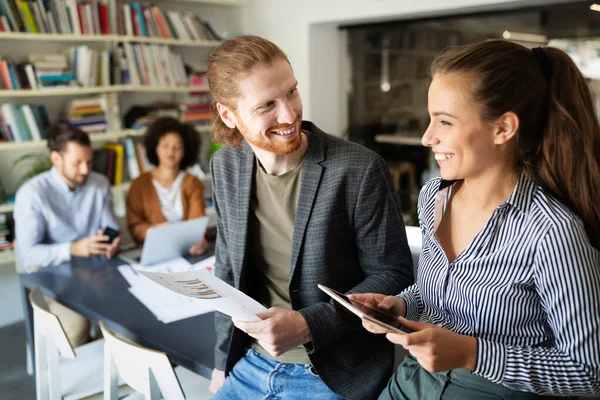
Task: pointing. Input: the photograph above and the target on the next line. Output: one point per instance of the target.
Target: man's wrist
(306, 337)
(73, 248)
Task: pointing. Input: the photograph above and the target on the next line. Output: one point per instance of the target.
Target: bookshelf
(192, 48)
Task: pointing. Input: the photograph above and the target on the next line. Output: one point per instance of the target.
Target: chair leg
(153, 389)
(111, 376)
(28, 359)
(41, 368)
(53, 364)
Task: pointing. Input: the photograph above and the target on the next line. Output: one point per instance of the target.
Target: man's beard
(275, 146)
(73, 182)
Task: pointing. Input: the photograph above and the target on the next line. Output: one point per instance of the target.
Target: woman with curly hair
(167, 194)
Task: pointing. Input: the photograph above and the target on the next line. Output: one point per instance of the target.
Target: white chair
(147, 371)
(62, 372)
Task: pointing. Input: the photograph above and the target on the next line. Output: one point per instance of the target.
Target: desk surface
(95, 288)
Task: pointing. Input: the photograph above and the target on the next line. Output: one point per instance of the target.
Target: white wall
(307, 31)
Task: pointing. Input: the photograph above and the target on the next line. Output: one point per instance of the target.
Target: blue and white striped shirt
(527, 287)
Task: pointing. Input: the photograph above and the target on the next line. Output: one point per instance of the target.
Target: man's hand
(436, 349)
(113, 248)
(199, 248)
(90, 246)
(216, 380)
(391, 304)
(95, 245)
(279, 331)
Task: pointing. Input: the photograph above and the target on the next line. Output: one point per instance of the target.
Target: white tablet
(364, 311)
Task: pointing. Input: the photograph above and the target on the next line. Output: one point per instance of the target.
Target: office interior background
(362, 68)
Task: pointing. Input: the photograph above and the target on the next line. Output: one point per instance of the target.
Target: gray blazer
(348, 235)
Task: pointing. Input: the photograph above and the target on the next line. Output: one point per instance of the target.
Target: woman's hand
(436, 349)
(391, 304)
(199, 248)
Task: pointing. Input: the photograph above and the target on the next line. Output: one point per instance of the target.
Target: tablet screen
(380, 315)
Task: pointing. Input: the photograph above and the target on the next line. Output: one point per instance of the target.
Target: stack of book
(21, 123)
(101, 17)
(196, 109)
(88, 114)
(49, 70)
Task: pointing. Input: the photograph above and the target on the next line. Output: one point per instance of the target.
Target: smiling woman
(507, 286)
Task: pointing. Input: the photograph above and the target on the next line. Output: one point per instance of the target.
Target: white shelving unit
(18, 45)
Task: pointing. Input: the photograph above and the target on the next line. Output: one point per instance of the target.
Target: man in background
(62, 213)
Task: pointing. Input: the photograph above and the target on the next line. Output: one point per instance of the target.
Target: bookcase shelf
(56, 38)
(210, 2)
(78, 91)
(94, 137)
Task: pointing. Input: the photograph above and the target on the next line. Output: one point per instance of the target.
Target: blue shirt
(527, 287)
(49, 216)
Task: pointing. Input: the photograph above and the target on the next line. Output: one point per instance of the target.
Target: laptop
(169, 241)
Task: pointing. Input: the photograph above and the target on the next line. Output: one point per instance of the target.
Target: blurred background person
(62, 213)
(167, 194)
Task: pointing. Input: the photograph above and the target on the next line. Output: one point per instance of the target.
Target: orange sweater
(143, 205)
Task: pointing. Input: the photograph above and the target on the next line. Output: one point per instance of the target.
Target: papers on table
(176, 290)
(166, 305)
(202, 287)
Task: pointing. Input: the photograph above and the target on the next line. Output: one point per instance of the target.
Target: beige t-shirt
(271, 231)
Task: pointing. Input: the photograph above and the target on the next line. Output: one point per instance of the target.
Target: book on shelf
(23, 122)
(151, 64)
(102, 17)
(194, 108)
(119, 162)
(79, 66)
(88, 114)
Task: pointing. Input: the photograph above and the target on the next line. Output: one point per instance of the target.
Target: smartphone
(348, 306)
(111, 233)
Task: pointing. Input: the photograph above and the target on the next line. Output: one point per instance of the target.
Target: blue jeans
(255, 376)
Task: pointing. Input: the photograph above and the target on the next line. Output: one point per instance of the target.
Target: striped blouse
(527, 287)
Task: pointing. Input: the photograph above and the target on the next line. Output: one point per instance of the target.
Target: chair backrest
(50, 341)
(145, 370)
